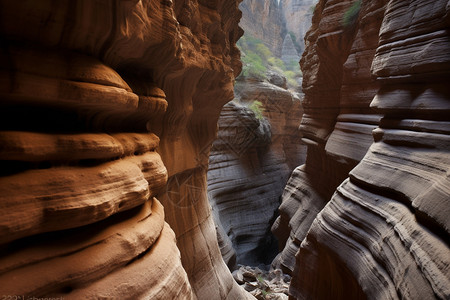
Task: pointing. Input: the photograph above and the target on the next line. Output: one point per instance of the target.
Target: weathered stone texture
(376, 108)
(249, 165)
(102, 104)
(263, 19)
(336, 124)
(240, 182)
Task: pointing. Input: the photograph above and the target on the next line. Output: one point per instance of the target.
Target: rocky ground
(272, 284)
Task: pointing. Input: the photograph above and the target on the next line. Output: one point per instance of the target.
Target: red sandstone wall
(105, 105)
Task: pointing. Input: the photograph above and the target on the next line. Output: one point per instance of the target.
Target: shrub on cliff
(253, 66)
(256, 107)
(291, 77)
(257, 59)
(263, 51)
(276, 62)
(351, 15)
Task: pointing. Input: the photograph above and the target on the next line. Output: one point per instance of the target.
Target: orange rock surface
(104, 105)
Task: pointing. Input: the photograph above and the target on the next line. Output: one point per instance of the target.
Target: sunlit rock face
(250, 163)
(262, 19)
(79, 178)
(107, 111)
(376, 108)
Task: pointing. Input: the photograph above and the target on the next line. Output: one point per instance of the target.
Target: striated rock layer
(240, 190)
(106, 107)
(249, 165)
(376, 108)
(79, 217)
(337, 123)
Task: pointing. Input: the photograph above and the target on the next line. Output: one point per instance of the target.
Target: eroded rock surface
(249, 165)
(104, 106)
(262, 19)
(78, 188)
(240, 185)
(376, 108)
(337, 123)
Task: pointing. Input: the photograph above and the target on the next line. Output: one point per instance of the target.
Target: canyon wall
(262, 19)
(337, 123)
(297, 16)
(366, 217)
(250, 163)
(258, 143)
(108, 109)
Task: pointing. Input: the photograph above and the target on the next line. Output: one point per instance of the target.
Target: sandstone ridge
(104, 106)
(363, 218)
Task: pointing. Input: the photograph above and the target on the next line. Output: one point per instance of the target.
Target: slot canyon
(173, 149)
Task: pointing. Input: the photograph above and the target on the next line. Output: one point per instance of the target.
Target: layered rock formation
(239, 190)
(79, 177)
(88, 92)
(249, 165)
(337, 127)
(282, 109)
(376, 108)
(255, 151)
(262, 19)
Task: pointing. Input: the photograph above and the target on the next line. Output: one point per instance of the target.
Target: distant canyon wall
(273, 22)
(263, 19)
(366, 216)
(297, 16)
(108, 109)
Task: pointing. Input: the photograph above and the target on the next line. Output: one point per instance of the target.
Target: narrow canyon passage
(150, 148)
(259, 144)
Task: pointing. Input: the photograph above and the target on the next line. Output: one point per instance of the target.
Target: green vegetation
(257, 59)
(253, 57)
(276, 62)
(293, 66)
(253, 66)
(256, 107)
(290, 77)
(260, 279)
(351, 15)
